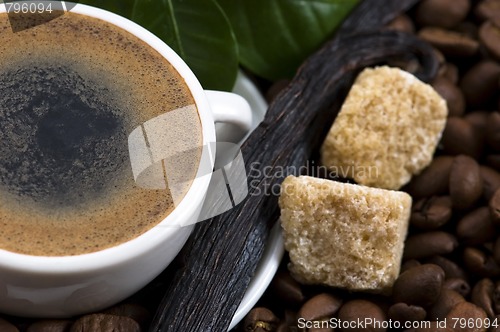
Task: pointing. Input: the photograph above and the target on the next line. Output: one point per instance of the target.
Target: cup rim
(162, 231)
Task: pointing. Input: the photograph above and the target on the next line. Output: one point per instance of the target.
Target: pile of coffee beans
(451, 260)
(125, 317)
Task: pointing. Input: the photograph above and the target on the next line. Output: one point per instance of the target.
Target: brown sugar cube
(343, 235)
(387, 129)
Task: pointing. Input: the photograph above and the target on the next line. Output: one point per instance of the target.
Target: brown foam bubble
(140, 85)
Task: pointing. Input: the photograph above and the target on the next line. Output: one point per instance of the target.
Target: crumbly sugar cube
(343, 235)
(387, 129)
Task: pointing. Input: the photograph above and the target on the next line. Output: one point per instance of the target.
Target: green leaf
(123, 8)
(276, 36)
(197, 30)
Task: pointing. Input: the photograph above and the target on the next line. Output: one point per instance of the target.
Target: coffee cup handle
(230, 108)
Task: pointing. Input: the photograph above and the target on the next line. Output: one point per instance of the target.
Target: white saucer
(274, 250)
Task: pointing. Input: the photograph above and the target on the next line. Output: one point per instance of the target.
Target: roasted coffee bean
(466, 185)
(275, 89)
(480, 82)
(468, 28)
(489, 35)
(458, 285)
(476, 227)
(493, 131)
(460, 137)
(359, 310)
(284, 327)
(491, 181)
(434, 179)
(442, 13)
(5, 326)
(420, 285)
(478, 263)
(288, 323)
(403, 312)
(445, 302)
(450, 72)
(409, 264)
(50, 326)
(451, 43)
(468, 311)
(495, 327)
(290, 317)
(478, 119)
(450, 268)
(496, 251)
(260, 320)
(402, 23)
(454, 97)
(326, 327)
(496, 298)
(494, 207)
(409, 65)
(441, 60)
(474, 260)
(321, 306)
(488, 246)
(482, 296)
(431, 327)
(429, 244)
(105, 323)
(493, 161)
(287, 289)
(138, 313)
(487, 9)
(431, 213)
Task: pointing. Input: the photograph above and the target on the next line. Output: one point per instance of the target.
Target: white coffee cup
(39, 286)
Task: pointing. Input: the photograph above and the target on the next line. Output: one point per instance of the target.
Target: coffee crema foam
(73, 89)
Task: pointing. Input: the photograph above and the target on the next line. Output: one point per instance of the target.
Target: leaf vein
(175, 27)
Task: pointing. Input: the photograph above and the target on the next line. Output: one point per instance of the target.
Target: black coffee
(72, 92)
(69, 137)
